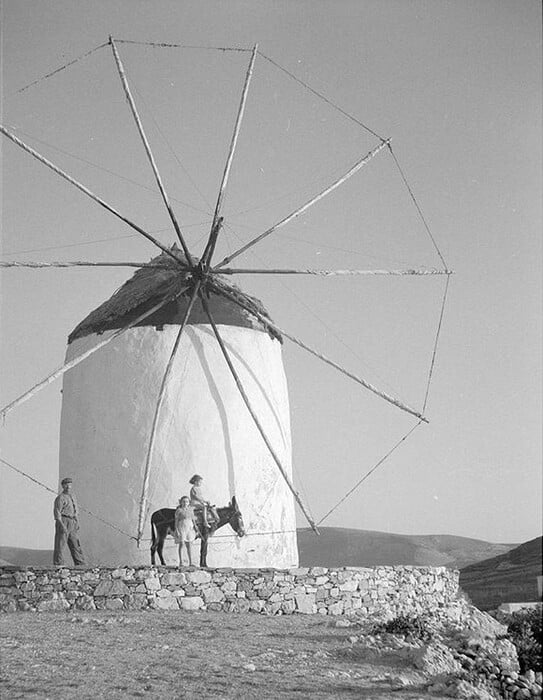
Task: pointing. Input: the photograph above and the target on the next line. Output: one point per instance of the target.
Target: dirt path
(171, 654)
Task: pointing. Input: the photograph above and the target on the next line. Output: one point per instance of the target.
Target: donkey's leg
(160, 548)
(153, 542)
(203, 552)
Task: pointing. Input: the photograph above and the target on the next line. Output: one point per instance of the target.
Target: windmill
(174, 305)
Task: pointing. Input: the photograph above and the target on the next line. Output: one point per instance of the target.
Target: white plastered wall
(204, 427)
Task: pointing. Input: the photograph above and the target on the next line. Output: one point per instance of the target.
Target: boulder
(50, 605)
(434, 659)
(152, 584)
(241, 605)
(168, 603)
(174, 579)
(198, 576)
(190, 603)
(336, 608)
(256, 605)
(164, 593)
(136, 601)
(111, 588)
(288, 607)
(306, 604)
(213, 594)
(85, 602)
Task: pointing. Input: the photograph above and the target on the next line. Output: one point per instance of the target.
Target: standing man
(66, 526)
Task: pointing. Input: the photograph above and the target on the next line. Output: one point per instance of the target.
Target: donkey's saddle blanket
(201, 523)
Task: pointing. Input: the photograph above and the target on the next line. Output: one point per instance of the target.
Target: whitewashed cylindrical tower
(204, 426)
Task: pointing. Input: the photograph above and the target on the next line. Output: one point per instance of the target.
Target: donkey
(163, 524)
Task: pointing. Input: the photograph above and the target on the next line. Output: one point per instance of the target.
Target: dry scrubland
(168, 654)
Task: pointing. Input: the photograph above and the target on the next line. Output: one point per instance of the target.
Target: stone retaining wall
(385, 589)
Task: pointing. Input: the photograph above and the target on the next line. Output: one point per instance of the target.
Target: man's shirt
(65, 504)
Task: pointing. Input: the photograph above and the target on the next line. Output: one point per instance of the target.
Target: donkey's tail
(153, 534)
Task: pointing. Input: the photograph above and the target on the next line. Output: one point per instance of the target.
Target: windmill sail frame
(202, 276)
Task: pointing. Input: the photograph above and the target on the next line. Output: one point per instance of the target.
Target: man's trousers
(67, 536)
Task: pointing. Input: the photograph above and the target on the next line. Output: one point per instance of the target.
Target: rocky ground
(176, 654)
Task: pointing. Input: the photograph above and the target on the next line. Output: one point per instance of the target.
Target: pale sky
(456, 85)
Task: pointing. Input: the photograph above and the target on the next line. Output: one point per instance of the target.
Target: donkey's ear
(233, 501)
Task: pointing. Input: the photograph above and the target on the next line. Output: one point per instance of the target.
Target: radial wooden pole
(267, 322)
(160, 401)
(147, 147)
(80, 263)
(90, 194)
(222, 189)
(327, 273)
(72, 363)
(210, 245)
(245, 398)
(356, 167)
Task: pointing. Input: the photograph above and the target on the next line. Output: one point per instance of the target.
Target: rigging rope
(152, 190)
(383, 140)
(409, 433)
(122, 532)
(75, 245)
(367, 474)
(162, 45)
(127, 41)
(434, 352)
(103, 240)
(413, 198)
(57, 70)
(322, 97)
(149, 152)
(267, 322)
(170, 252)
(300, 210)
(209, 209)
(364, 363)
(236, 537)
(76, 360)
(48, 488)
(319, 244)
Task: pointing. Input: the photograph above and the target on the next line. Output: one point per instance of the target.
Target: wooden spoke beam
(210, 245)
(79, 263)
(90, 194)
(76, 360)
(222, 189)
(147, 147)
(356, 167)
(160, 401)
(267, 322)
(326, 273)
(257, 423)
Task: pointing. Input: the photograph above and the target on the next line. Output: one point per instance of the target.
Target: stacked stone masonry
(386, 589)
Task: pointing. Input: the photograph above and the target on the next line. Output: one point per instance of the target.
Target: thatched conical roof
(149, 285)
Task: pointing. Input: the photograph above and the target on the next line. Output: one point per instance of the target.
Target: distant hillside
(18, 556)
(508, 578)
(343, 547)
